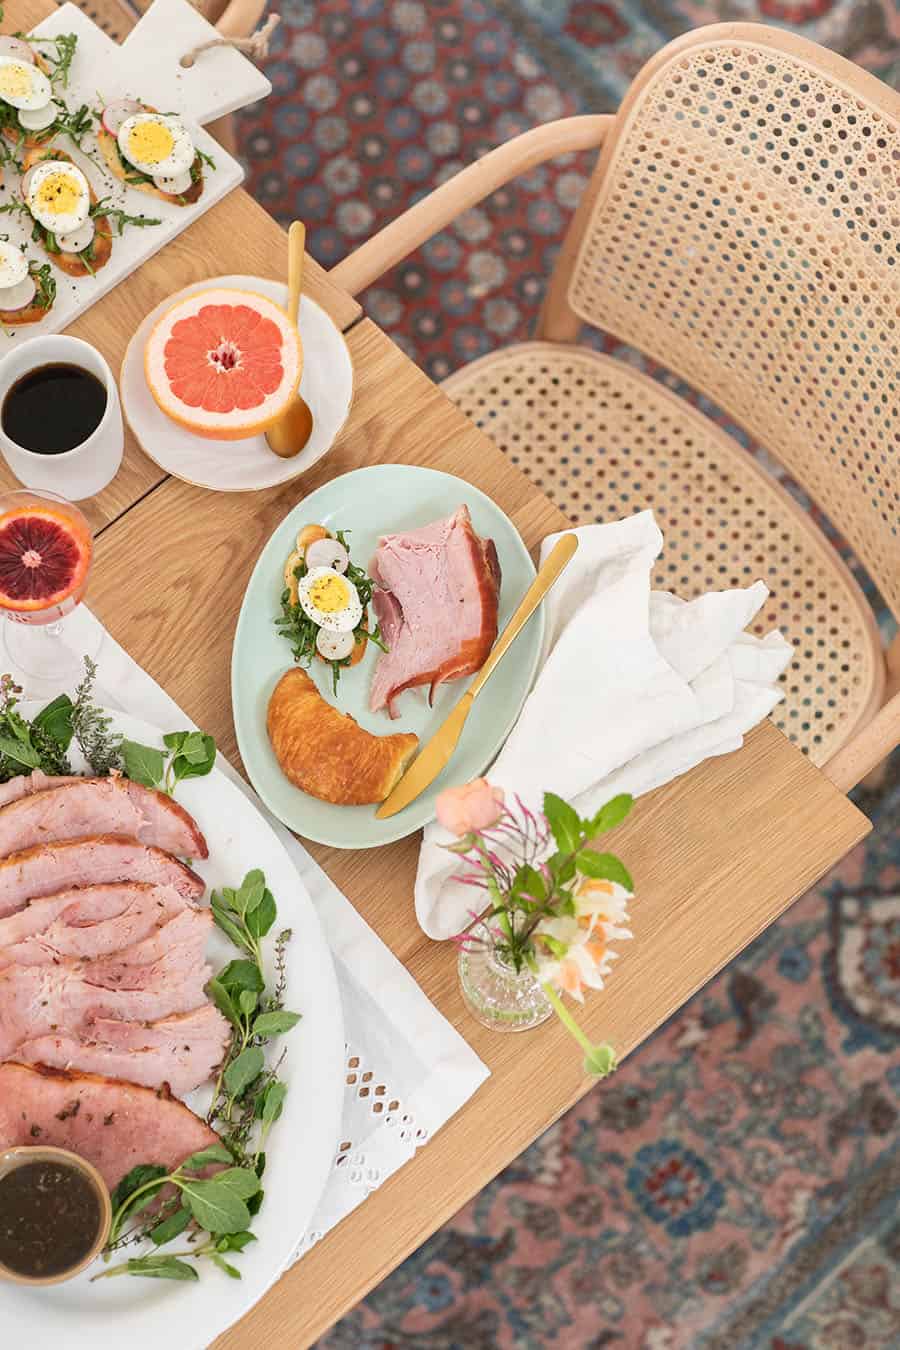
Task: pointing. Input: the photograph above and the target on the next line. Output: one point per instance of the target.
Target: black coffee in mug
(53, 408)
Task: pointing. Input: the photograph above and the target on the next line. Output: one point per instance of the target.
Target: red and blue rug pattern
(736, 1185)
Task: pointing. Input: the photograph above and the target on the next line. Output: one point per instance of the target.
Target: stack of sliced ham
(436, 598)
(103, 972)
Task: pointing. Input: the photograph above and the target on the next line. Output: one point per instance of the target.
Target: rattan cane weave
(603, 440)
(746, 234)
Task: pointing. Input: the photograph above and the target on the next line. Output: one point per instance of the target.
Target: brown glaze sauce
(49, 1218)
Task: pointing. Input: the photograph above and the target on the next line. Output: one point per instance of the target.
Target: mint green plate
(368, 503)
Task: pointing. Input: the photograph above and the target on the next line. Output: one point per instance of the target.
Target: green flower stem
(599, 1060)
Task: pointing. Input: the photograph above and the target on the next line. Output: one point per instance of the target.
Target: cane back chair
(742, 229)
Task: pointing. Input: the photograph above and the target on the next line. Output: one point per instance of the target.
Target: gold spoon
(289, 434)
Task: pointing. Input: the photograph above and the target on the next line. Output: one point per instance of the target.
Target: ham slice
(77, 807)
(86, 922)
(48, 868)
(27, 783)
(179, 944)
(40, 1000)
(436, 598)
(181, 1051)
(114, 1125)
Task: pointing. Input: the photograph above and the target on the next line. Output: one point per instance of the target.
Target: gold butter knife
(428, 762)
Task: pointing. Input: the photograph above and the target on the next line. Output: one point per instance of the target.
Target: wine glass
(46, 550)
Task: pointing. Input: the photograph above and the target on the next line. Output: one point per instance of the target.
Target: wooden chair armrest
(864, 751)
(465, 189)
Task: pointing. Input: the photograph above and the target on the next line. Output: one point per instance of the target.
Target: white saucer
(248, 465)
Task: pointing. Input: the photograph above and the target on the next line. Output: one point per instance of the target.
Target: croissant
(326, 752)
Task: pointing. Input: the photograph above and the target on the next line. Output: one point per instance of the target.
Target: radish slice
(114, 114)
(327, 553)
(14, 49)
(37, 119)
(176, 183)
(335, 646)
(25, 182)
(76, 240)
(19, 296)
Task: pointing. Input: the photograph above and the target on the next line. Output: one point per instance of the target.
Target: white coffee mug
(86, 469)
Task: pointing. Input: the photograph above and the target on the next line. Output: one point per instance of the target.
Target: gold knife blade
(429, 762)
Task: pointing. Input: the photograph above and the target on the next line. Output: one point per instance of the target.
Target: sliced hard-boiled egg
(175, 183)
(334, 646)
(22, 85)
(13, 264)
(329, 600)
(156, 144)
(38, 119)
(327, 553)
(58, 196)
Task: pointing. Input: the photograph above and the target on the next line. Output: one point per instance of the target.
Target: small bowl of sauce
(55, 1214)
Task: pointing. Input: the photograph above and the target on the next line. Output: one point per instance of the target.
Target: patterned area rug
(736, 1185)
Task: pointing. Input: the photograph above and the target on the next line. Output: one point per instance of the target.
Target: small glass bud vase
(498, 996)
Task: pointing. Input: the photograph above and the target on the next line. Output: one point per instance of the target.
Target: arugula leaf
(170, 1228)
(216, 1208)
(241, 1072)
(159, 1268)
(23, 752)
(242, 1180)
(214, 1154)
(225, 1265)
(136, 1190)
(564, 822)
(604, 866)
(275, 1023)
(143, 764)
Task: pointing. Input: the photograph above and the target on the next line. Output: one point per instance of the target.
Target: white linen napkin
(402, 1057)
(635, 688)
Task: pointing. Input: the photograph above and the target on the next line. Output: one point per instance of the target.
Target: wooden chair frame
(867, 746)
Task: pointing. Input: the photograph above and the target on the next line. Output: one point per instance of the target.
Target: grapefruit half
(224, 363)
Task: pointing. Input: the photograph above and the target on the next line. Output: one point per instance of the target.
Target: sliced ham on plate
(114, 1125)
(436, 598)
(183, 1051)
(27, 783)
(48, 868)
(77, 807)
(86, 922)
(177, 947)
(38, 1000)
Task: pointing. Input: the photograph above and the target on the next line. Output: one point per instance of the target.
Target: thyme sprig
(101, 747)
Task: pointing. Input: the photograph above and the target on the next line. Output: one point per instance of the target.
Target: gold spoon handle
(296, 247)
(559, 558)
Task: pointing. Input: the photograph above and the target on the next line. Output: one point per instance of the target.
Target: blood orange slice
(224, 363)
(44, 559)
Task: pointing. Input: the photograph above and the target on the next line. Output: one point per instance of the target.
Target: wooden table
(718, 854)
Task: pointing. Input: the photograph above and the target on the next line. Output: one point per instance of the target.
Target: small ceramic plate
(243, 466)
(367, 503)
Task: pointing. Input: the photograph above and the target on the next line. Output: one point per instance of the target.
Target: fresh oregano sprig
(191, 754)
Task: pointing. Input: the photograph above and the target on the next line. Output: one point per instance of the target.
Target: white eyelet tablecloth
(407, 1070)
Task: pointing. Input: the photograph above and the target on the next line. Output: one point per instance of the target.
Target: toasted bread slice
(29, 140)
(17, 318)
(71, 263)
(121, 169)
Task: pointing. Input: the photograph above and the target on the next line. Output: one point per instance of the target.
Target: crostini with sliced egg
(68, 220)
(27, 288)
(30, 113)
(151, 152)
(324, 603)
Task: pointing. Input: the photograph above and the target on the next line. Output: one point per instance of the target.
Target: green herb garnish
(120, 218)
(192, 754)
(59, 58)
(301, 631)
(39, 744)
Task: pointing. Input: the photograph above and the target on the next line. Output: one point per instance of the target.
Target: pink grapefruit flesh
(44, 559)
(224, 363)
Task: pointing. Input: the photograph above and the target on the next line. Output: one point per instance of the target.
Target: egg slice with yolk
(329, 600)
